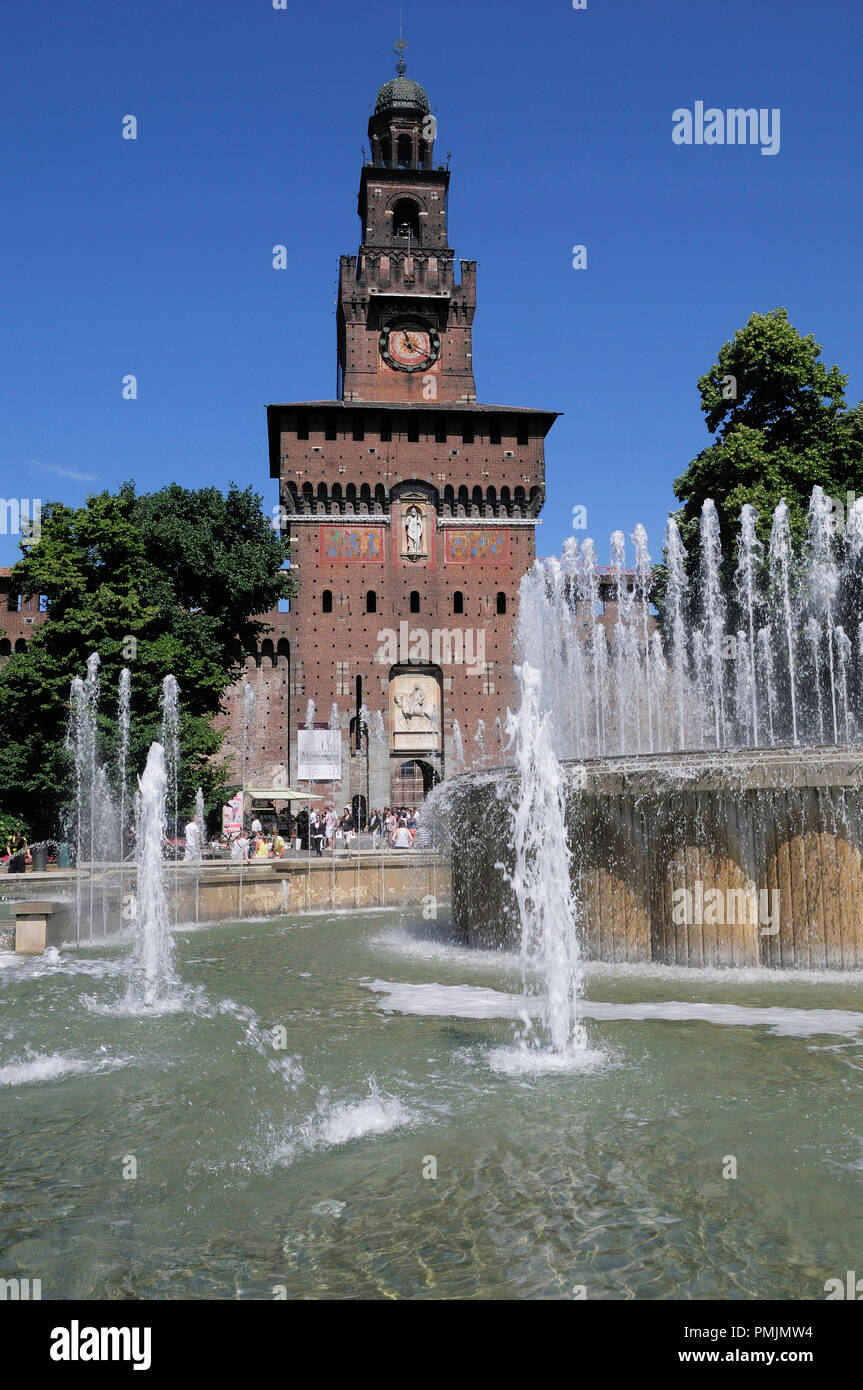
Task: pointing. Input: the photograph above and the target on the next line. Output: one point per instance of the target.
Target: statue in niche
(414, 527)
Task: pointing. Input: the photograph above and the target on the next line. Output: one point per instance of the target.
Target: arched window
(458, 601)
(404, 149)
(371, 601)
(386, 151)
(501, 601)
(327, 601)
(5, 647)
(20, 645)
(406, 218)
(415, 601)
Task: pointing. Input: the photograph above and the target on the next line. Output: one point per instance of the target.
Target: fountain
(638, 810)
(711, 763)
(540, 881)
(152, 977)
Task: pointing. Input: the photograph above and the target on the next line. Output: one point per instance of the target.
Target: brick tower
(410, 505)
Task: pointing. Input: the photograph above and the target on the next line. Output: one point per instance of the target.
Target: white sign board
(319, 755)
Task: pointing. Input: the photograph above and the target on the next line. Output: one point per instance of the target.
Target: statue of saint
(414, 531)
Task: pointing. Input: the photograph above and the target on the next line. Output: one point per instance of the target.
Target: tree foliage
(780, 425)
(165, 582)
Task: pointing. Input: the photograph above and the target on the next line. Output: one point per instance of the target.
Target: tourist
(330, 826)
(192, 833)
(278, 846)
(303, 828)
(318, 834)
(19, 853)
(390, 825)
(261, 849)
(374, 829)
(402, 837)
(346, 825)
(256, 826)
(239, 848)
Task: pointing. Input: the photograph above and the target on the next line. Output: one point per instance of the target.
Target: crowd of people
(316, 831)
(310, 830)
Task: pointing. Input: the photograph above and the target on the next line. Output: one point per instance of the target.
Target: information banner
(232, 815)
(319, 755)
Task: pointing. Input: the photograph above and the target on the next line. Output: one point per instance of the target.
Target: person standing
(19, 853)
(402, 837)
(192, 833)
(346, 825)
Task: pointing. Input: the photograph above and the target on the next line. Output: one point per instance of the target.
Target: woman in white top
(240, 847)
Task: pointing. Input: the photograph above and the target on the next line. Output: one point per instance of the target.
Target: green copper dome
(401, 91)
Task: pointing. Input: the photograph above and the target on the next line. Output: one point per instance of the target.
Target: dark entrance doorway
(412, 781)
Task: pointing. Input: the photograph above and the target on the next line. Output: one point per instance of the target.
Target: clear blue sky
(154, 257)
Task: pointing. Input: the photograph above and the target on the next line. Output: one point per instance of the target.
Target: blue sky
(154, 257)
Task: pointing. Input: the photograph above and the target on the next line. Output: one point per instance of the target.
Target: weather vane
(399, 50)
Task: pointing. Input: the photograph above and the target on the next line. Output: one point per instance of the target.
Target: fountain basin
(748, 857)
(213, 892)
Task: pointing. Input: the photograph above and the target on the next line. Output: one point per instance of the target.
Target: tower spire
(400, 49)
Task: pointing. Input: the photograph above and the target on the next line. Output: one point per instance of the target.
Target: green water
(260, 1169)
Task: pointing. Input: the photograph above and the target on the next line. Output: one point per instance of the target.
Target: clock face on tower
(409, 347)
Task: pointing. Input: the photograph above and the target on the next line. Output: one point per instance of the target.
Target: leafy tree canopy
(781, 426)
(165, 582)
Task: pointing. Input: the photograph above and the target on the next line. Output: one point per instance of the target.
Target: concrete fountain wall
(767, 844)
(39, 910)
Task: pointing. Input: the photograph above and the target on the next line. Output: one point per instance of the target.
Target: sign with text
(319, 755)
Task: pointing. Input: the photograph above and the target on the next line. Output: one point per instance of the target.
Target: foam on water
(452, 1001)
(522, 1060)
(334, 1123)
(356, 1120)
(477, 1002)
(329, 1207)
(183, 1000)
(51, 1066)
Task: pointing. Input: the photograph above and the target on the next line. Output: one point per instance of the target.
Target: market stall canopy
(277, 794)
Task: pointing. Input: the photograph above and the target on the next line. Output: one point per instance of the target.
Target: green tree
(780, 425)
(167, 582)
